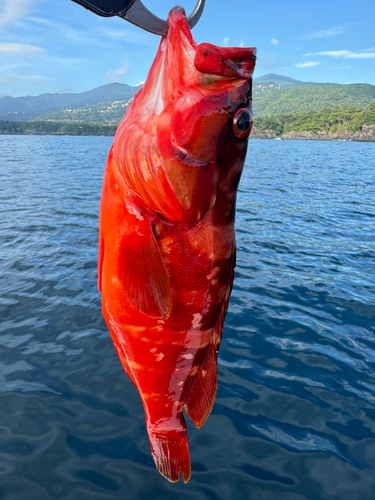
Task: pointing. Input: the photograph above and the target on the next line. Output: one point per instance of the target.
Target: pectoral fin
(142, 272)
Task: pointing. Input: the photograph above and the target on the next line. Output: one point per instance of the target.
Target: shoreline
(367, 134)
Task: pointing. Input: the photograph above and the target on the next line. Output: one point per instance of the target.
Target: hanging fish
(167, 242)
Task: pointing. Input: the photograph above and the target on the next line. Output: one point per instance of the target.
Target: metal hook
(136, 13)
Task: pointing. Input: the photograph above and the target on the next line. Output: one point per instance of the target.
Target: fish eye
(242, 123)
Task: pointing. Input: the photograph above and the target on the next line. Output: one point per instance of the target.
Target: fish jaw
(167, 245)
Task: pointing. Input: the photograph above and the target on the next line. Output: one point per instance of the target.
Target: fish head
(195, 111)
(212, 118)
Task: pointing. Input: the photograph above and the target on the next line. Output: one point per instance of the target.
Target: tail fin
(170, 452)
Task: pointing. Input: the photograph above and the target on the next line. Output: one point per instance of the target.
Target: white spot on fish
(167, 245)
(160, 356)
(213, 273)
(135, 365)
(132, 210)
(204, 373)
(196, 323)
(138, 231)
(194, 371)
(153, 350)
(187, 356)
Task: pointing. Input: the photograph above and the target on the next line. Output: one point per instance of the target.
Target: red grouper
(167, 242)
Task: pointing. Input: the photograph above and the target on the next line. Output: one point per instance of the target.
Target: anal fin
(201, 396)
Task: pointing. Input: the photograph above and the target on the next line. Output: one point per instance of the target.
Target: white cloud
(136, 36)
(268, 63)
(345, 54)
(67, 90)
(335, 30)
(242, 43)
(274, 42)
(13, 10)
(18, 48)
(225, 41)
(118, 75)
(25, 78)
(307, 65)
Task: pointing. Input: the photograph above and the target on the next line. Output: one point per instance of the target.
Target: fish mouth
(231, 62)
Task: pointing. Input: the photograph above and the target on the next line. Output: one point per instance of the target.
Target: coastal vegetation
(311, 98)
(55, 128)
(105, 112)
(328, 120)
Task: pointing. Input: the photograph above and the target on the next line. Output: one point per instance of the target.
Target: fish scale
(167, 242)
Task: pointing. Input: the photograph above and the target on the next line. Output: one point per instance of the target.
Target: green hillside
(329, 120)
(271, 102)
(311, 98)
(55, 128)
(104, 112)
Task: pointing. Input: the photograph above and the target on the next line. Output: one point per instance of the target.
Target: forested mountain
(268, 103)
(328, 120)
(107, 112)
(29, 107)
(312, 98)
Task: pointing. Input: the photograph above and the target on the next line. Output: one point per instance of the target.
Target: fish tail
(170, 451)
(201, 396)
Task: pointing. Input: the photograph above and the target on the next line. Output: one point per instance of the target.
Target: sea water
(294, 417)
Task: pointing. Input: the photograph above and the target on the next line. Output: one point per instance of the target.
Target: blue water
(294, 417)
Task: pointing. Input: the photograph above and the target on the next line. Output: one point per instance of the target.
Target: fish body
(166, 235)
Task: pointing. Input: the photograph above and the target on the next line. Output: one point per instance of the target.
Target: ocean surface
(294, 417)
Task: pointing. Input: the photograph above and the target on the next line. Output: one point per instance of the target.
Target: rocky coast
(367, 134)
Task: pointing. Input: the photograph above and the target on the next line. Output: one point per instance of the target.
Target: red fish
(167, 243)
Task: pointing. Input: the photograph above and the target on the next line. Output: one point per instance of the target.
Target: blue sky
(56, 45)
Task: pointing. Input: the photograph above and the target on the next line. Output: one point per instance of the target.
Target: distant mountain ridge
(36, 105)
(285, 81)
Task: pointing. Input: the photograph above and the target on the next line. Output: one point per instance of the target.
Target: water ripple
(294, 417)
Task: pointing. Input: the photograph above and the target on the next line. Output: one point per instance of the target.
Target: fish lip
(230, 62)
